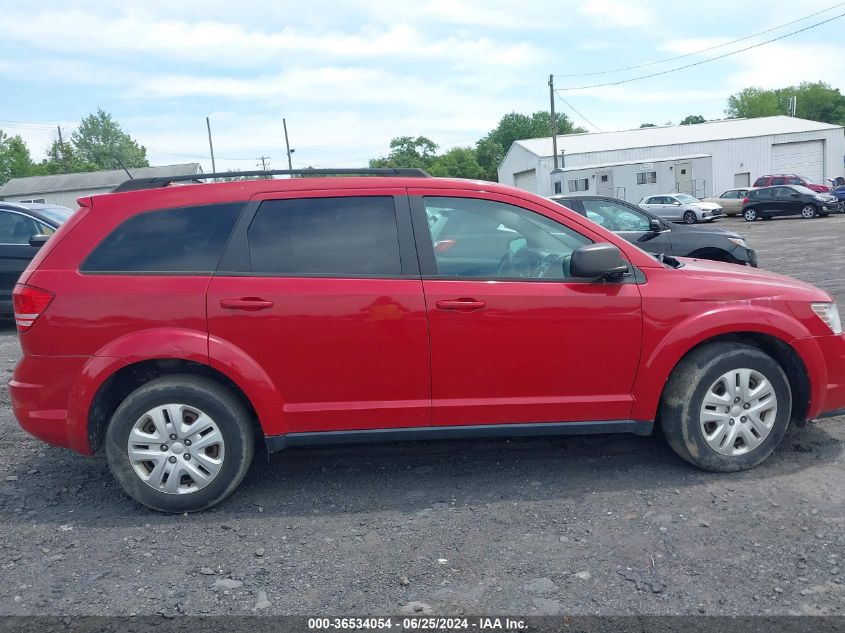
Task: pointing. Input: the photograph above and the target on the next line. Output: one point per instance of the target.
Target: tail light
(745, 201)
(29, 303)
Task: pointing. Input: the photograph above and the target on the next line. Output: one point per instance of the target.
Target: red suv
(790, 179)
(171, 326)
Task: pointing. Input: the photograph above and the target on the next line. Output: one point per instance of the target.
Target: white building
(701, 159)
(65, 189)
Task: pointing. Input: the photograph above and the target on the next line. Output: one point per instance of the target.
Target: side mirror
(38, 240)
(598, 261)
(676, 203)
(655, 226)
(793, 195)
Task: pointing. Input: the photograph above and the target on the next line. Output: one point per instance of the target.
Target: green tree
(15, 161)
(489, 155)
(458, 162)
(753, 102)
(642, 125)
(62, 159)
(407, 151)
(515, 126)
(816, 101)
(692, 119)
(100, 141)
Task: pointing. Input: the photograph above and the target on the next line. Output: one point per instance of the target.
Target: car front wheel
(690, 217)
(808, 211)
(180, 443)
(750, 215)
(726, 407)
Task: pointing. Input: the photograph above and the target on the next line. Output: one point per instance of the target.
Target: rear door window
(183, 240)
(343, 236)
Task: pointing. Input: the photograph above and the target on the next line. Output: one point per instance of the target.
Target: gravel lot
(605, 524)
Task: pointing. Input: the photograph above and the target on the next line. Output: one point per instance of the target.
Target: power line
(571, 107)
(703, 50)
(703, 61)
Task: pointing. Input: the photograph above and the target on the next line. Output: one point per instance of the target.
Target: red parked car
(790, 179)
(172, 326)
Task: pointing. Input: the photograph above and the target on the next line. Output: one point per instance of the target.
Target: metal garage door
(805, 159)
(526, 180)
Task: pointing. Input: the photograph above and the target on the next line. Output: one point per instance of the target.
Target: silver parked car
(681, 207)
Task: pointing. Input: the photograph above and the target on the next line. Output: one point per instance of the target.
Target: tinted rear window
(325, 236)
(184, 240)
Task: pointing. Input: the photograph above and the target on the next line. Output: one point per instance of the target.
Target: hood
(709, 205)
(742, 282)
(695, 228)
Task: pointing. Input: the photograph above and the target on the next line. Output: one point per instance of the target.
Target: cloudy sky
(350, 75)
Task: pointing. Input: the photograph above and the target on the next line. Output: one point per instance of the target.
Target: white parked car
(681, 207)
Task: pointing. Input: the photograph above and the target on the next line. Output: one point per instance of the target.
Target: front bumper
(825, 356)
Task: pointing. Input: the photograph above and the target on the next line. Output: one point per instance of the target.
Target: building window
(35, 200)
(604, 177)
(581, 184)
(558, 188)
(646, 177)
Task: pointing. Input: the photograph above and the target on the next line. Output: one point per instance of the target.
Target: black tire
(809, 211)
(690, 217)
(680, 406)
(750, 215)
(208, 396)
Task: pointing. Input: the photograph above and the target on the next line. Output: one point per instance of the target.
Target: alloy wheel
(738, 412)
(808, 211)
(176, 448)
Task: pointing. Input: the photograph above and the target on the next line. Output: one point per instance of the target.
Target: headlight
(821, 198)
(738, 241)
(829, 313)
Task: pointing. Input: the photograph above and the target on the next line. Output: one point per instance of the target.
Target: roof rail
(158, 182)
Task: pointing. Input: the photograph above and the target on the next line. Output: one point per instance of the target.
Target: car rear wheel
(808, 211)
(690, 217)
(750, 215)
(180, 443)
(726, 407)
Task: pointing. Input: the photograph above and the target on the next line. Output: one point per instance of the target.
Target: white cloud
(794, 63)
(617, 13)
(225, 43)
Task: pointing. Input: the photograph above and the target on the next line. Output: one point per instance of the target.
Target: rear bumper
(40, 390)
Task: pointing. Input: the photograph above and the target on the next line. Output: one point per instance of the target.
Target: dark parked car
(19, 224)
(839, 192)
(656, 235)
(788, 200)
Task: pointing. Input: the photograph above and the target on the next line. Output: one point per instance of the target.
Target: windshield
(57, 214)
(804, 190)
(685, 198)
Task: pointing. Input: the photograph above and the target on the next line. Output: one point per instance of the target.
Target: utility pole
(62, 148)
(287, 144)
(554, 120)
(263, 160)
(210, 146)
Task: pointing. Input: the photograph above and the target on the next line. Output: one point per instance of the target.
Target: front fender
(661, 356)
